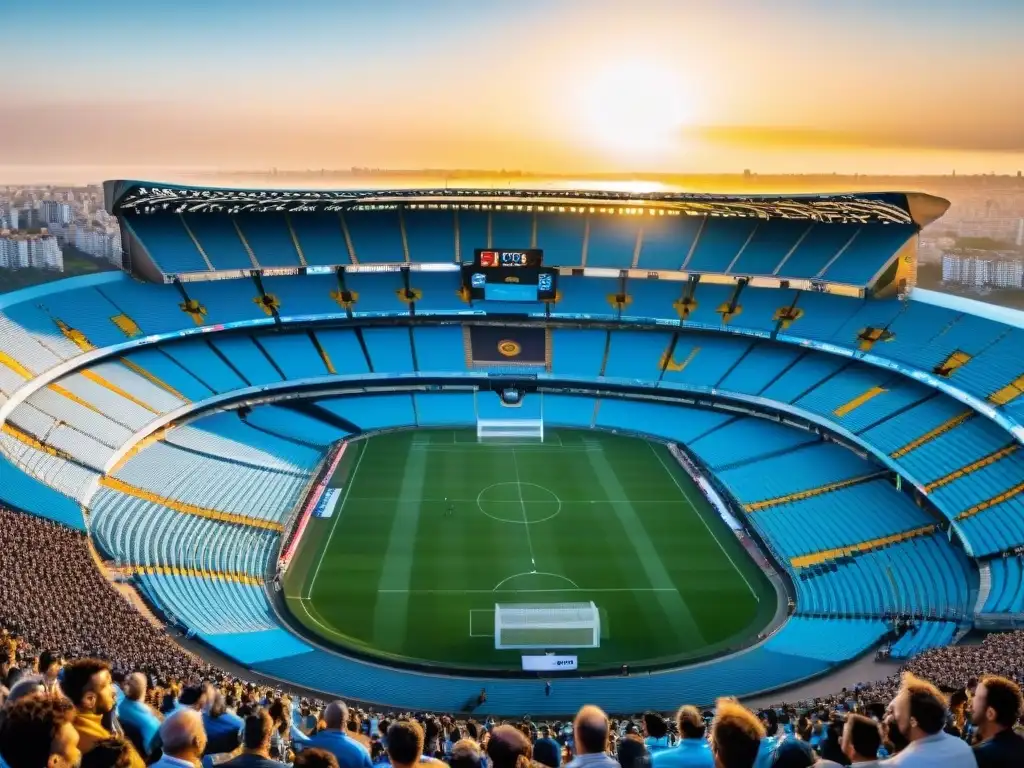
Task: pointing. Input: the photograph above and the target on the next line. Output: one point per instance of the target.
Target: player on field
(450, 510)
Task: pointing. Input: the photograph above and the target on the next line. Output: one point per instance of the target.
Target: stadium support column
(266, 300)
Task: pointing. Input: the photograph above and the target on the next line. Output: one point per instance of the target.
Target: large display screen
(496, 257)
(514, 284)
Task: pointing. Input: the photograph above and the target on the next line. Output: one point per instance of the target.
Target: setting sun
(635, 109)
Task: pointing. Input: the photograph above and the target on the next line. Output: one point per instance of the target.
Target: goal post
(546, 625)
(520, 428)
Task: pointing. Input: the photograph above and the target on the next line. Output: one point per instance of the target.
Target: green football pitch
(433, 528)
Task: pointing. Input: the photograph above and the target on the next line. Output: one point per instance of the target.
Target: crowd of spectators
(155, 703)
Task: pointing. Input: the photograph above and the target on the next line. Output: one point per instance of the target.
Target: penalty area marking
(535, 573)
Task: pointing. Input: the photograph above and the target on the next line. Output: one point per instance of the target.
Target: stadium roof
(141, 197)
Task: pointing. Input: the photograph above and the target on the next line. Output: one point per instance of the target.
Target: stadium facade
(864, 437)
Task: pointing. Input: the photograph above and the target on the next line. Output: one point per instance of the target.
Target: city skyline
(557, 86)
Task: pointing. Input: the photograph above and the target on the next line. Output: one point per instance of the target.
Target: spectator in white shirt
(920, 711)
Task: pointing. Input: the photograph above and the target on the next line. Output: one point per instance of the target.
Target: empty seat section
(430, 235)
(136, 386)
(996, 367)
(153, 308)
(841, 518)
(341, 345)
(376, 236)
(246, 357)
(88, 311)
(104, 397)
(870, 313)
(821, 315)
(220, 241)
(210, 606)
(167, 242)
(172, 473)
(228, 301)
(439, 291)
(757, 307)
(903, 428)
(294, 355)
(612, 240)
(373, 411)
(296, 426)
(652, 298)
(321, 238)
(439, 348)
(199, 359)
(816, 250)
(790, 465)
(568, 410)
(306, 295)
(983, 484)
(1007, 592)
(83, 448)
(703, 359)
(955, 449)
(832, 640)
(166, 370)
(998, 528)
(223, 435)
(578, 353)
(746, 438)
(772, 240)
(844, 390)
(924, 636)
(22, 489)
(560, 236)
(474, 228)
(445, 408)
(585, 295)
(511, 229)
(719, 243)
(29, 336)
(869, 252)
(86, 418)
(666, 241)
(711, 300)
(803, 375)
(376, 292)
(269, 238)
(636, 355)
(763, 364)
(672, 422)
(389, 349)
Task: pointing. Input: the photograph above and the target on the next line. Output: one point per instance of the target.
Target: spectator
(256, 733)
(655, 732)
(49, 668)
(997, 708)
(736, 735)
(693, 750)
(89, 686)
(222, 727)
(110, 753)
(919, 712)
(333, 738)
(507, 747)
(406, 740)
(590, 735)
(546, 750)
(28, 685)
(139, 721)
(193, 697)
(466, 754)
(862, 739)
(312, 757)
(632, 752)
(183, 739)
(37, 731)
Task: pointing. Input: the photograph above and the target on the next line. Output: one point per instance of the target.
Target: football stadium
(403, 445)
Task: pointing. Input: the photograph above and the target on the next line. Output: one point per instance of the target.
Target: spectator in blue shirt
(334, 739)
(693, 750)
(140, 723)
(656, 732)
(222, 727)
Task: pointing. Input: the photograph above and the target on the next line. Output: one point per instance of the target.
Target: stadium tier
(864, 436)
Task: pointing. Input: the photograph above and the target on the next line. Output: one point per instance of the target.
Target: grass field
(583, 516)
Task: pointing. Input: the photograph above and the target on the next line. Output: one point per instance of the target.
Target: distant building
(103, 244)
(55, 212)
(982, 271)
(20, 251)
(1009, 229)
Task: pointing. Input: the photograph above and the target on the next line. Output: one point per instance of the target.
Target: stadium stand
(922, 523)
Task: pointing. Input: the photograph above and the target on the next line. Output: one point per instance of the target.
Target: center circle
(518, 503)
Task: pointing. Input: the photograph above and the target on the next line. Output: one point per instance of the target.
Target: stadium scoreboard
(516, 275)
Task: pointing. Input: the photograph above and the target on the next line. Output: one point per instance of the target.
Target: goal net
(517, 428)
(548, 625)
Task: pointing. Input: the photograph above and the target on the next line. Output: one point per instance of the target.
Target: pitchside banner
(325, 506)
(549, 663)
